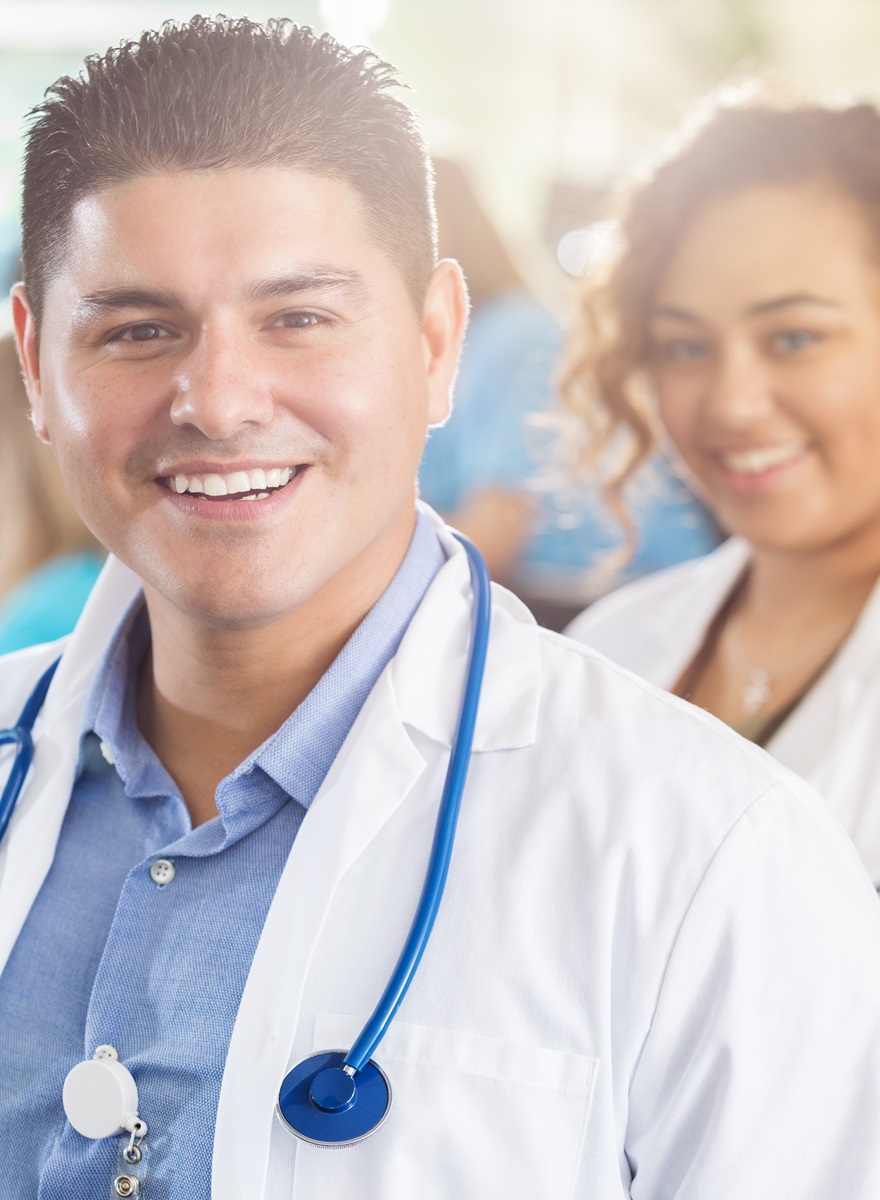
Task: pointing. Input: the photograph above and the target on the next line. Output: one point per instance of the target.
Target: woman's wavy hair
(759, 135)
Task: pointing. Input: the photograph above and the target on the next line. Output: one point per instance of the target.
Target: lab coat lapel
(671, 638)
(377, 770)
(429, 676)
(682, 620)
(810, 741)
(805, 741)
(29, 847)
(373, 773)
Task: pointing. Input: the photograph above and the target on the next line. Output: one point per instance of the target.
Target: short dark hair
(217, 93)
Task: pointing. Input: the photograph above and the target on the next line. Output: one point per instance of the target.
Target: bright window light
(354, 22)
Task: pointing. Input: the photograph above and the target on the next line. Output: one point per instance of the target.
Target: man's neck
(207, 697)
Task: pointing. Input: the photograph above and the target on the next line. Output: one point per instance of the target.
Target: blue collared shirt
(110, 956)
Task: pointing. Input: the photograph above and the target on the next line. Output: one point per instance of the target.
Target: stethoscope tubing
(447, 820)
(375, 1100)
(444, 831)
(21, 736)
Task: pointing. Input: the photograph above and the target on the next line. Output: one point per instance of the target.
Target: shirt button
(108, 754)
(106, 1052)
(162, 871)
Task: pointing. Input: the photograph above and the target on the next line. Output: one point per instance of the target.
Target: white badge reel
(100, 1099)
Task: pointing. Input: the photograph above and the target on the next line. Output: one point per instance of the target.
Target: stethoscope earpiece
(328, 1104)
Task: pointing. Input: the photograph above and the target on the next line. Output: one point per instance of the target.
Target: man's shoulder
(629, 793)
(594, 708)
(644, 749)
(601, 691)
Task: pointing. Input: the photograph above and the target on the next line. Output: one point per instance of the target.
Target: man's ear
(446, 313)
(28, 355)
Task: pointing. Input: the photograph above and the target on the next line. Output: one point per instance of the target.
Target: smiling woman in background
(741, 322)
(48, 559)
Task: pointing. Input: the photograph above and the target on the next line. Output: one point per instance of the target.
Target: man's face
(237, 386)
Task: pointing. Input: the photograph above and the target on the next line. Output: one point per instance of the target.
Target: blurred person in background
(475, 468)
(48, 559)
(741, 321)
(494, 470)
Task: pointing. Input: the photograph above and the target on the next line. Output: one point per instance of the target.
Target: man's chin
(220, 604)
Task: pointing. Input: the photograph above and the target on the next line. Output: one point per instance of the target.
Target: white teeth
(765, 458)
(238, 481)
(249, 485)
(215, 485)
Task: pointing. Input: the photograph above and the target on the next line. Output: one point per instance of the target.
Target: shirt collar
(299, 754)
(111, 709)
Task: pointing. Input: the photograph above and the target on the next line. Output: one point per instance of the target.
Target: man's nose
(220, 387)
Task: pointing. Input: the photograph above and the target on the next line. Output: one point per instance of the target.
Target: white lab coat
(832, 739)
(655, 973)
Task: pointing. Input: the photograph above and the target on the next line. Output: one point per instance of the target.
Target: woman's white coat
(832, 739)
(654, 974)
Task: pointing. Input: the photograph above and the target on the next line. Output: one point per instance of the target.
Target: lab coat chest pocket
(472, 1118)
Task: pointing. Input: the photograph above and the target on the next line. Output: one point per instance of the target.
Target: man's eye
(145, 332)
(298, 320)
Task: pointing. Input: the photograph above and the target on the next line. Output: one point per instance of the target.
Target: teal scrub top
(506, 379)
(47, 604)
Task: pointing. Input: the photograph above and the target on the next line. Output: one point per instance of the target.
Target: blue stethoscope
(334, 1098)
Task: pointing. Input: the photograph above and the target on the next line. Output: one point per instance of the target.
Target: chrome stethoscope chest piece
(325, 1104)
(100, 1098)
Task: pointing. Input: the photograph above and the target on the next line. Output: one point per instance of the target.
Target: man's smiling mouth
(256, 484)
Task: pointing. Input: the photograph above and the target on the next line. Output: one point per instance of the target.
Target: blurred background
(545, 108)
(549, 101)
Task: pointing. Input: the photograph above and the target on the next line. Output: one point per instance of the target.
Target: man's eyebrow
(113, 299)
(280, 287)
(284, 286)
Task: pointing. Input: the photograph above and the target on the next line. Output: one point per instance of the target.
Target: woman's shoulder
(658, 600)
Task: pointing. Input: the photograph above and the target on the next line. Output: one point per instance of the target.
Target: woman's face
(765, 357)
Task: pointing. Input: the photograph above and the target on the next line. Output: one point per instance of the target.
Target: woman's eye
(681, 350)
(794, 339)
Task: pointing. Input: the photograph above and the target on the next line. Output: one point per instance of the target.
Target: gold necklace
(757, 693)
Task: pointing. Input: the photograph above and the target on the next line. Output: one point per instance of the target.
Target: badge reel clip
(100, 1100)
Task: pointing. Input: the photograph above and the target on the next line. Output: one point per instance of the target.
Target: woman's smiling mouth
(756, 460)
